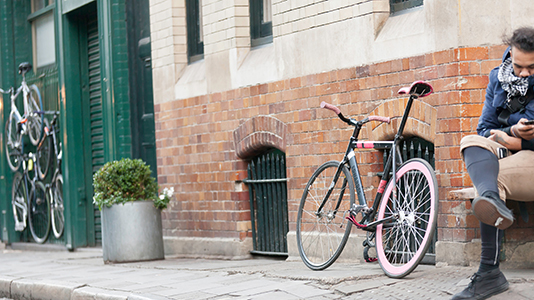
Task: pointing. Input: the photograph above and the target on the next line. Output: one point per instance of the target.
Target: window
(195, 40)
(44, 41)
(399, 5)
(261, 25)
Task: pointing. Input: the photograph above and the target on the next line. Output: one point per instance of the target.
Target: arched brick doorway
(261, 141)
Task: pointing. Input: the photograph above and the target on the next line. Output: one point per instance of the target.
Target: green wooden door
(95, 108)
(140, 76)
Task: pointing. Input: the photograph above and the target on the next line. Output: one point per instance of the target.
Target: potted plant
(127, 196)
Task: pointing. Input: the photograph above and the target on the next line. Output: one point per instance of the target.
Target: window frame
(195, 42)
(397, 6)
(261, 33)
(49, 8)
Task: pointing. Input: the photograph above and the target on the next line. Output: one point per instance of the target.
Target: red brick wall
(197, 155)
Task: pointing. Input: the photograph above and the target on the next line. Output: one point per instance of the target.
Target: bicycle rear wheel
(44, 153)
(403, 242)
(58, 218)
(13, 143)
(35, 117)
(39, 212)
(321, 236)
(18, 201)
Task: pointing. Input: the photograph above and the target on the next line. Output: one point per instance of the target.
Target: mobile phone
(529, 122)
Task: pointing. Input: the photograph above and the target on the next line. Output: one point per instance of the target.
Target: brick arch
(421, 121)
(258, 134)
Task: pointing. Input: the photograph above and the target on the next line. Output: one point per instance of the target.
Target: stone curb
(27, 289)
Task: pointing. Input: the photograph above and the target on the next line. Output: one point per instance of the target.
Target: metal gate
(267, 184)
(417, 147)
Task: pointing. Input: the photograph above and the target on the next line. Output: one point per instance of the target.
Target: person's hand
(504, 139)
(523, 130)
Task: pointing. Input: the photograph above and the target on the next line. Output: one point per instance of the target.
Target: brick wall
(196, 152)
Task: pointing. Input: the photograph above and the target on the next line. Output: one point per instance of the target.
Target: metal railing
(416, 147)
(267, 184)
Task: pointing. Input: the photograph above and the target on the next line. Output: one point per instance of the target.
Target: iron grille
(267, 184)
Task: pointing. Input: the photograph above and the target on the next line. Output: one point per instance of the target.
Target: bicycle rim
(58, 218)
(35, 117)
(18, 201)
(39, 212)
(321, 236)
(44, 154)
(13, 144)
(402, 243)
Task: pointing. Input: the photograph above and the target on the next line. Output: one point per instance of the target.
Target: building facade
(236, 79)
(91, 62)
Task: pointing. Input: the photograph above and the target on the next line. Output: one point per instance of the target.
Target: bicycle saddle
(24, 68)
(418, 89)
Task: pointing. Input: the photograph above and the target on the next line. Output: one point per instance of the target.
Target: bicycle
(402, 218)
(30, 202)
(49, 148)
(30, 122)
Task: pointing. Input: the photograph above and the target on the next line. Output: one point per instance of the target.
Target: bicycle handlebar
(330, 107)
(6, 92)
(380, 119)
(340, 115)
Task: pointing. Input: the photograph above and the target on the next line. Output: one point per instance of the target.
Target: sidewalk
(82, 275)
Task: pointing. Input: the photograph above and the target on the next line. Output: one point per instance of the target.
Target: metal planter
(132, 232)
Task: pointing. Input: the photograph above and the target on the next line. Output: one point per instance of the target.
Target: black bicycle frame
(356, 177)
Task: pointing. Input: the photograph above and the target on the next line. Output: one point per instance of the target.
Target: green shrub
(127, 180)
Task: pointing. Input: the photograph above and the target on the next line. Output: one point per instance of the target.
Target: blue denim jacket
(496, 102)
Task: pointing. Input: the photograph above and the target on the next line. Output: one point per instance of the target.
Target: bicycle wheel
(58, 218)
(13, 143)
(321, 235)
(39, 212)
(35, 117)
(44, 153)
(18, 201)
(403, 242)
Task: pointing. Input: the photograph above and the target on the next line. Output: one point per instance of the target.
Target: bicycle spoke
(319, 235)
(400, 247)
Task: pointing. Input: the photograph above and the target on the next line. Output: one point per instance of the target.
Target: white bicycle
(30, 122)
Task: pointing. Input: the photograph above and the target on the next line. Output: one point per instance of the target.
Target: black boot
(490, 209)
(484, 285)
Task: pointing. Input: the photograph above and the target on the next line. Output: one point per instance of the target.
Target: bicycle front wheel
(44, 153)
(323, 232)
(403, 242)
(18, 201)
(13, 143)
(39, 212)
(35, 117)
(58, 218)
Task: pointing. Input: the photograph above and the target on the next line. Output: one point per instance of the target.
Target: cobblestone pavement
(82, 275)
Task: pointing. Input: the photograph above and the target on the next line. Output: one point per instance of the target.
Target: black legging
(483, 168)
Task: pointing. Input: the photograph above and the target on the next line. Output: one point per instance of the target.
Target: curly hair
(522, 38)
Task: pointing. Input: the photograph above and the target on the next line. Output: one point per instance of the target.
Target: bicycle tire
(402, 244)
(39, 212)
(13, 143)
(44, 153)
(57, 208)
(35, 118)
(18, 201)
(320, 238)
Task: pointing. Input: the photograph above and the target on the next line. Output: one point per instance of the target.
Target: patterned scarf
(512, 84)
